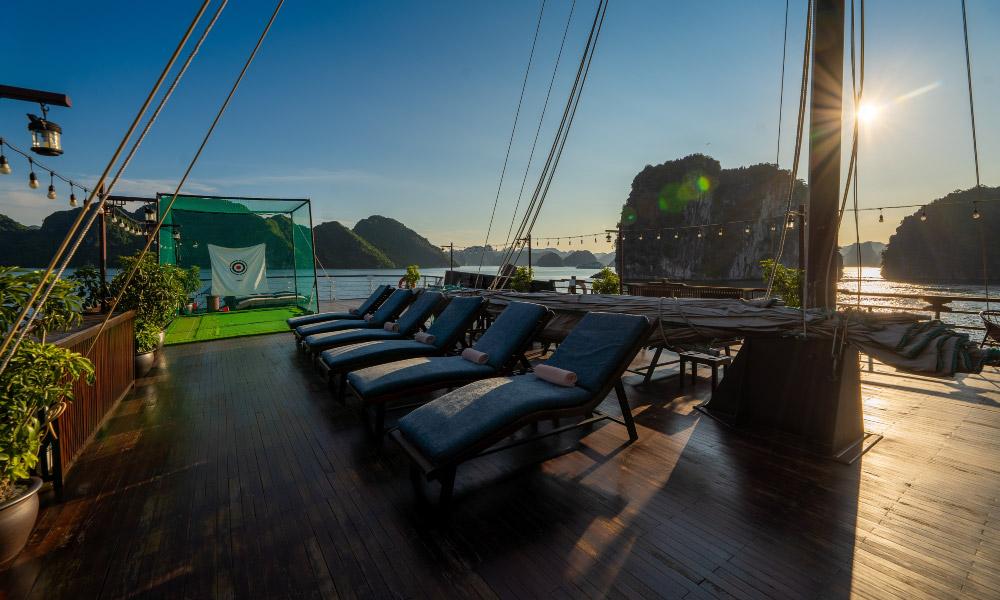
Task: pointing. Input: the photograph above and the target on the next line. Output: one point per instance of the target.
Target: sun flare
(867, 112)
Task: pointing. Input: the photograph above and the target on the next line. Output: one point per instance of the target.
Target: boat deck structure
(231, 472)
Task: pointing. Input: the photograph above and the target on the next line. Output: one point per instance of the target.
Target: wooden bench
(700, 358)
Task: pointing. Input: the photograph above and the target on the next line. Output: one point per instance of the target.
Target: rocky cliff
(678, 196)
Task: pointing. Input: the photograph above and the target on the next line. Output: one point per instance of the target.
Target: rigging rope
(538, 130)
(558, 143)
(975, 152)
(180, 185)
(781, 94)
(857, 89)
(6, 347)
(510, 142)
(803, 93)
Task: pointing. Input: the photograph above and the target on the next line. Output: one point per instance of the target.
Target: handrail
(932, 298)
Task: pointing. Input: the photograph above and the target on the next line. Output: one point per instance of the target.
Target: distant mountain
(549, 259)
(948, 246)
(399, 243)
(871, 254)
(680, 195)
(35, 246)
(337, 247)
(579, 257)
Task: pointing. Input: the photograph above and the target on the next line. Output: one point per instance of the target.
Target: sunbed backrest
(509, 331)
(454, 320)
(596, 345)
(419, 312)
(373, 300)
(392, 306)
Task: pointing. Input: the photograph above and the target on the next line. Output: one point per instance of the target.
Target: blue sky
(405, 108)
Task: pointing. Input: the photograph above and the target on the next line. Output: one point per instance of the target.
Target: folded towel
(555, 375)
(353, 311)
(393, 327)
(370, 318)
(425, 338)
(475, 356)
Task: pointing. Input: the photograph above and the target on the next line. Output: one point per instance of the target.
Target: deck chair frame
(444, 472)
(378, 302)
(991, 322)
(380, 402)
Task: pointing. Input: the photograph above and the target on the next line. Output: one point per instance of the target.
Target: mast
(825, 124)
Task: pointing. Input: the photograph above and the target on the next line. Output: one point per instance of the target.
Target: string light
(640, 237)
(699, 233)
(923, 215)
(4, 165)
(72, 196)
(881, 218)
(720, 231)
(607, 238)
(747, 228)
(773, 228)
(657, 235)
(975, 211)
(791, 223)
(32, 178)
(677, 235)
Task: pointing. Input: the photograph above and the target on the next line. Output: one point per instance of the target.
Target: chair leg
(447, 480)
(680, 373)
(626, 411)
(652, 365)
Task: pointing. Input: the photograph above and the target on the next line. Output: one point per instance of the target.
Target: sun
(867, 112)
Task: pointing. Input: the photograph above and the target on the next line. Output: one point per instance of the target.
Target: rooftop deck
(230, 472)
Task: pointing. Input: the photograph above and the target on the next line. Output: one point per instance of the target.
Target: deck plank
(231, 472)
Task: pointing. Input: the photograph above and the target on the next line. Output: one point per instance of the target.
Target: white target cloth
(238, 271)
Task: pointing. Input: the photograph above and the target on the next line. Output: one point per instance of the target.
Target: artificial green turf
(219, 325)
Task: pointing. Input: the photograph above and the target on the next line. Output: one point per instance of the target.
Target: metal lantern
(177, 235)
(45, 136)
(150, 215)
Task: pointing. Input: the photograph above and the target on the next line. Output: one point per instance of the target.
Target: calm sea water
(346, 284)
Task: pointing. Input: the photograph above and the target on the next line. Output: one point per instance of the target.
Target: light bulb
(657, 235)
(608, 238)
(194, 245)
(923, 216)
(773, 227)
(699, 233)
(640, 237)
(52, 192)
(881, 218)
(114, 219)
(720, 232)
(72, 198)
(975, 213)
(677, 235)
(747, 229)
(33, 181)
(4, 165)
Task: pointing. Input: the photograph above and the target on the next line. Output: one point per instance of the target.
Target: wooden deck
(230, 473)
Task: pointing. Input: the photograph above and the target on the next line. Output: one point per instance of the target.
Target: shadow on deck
(230, 472)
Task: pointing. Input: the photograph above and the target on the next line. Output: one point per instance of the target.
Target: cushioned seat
(388, 311)
(454, 421)
(366, 307)
(409, 323)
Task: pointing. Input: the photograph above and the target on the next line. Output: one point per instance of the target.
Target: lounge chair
(506, 341)
(378, 296)
(991, 323)
(410, 322)
(469, 421)
(447, 330)
(389, 310)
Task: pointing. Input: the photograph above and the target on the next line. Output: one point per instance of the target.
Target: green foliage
(606, 282)
(38, 380)
(400, 243)
(787, 282)
(337, 247)
(89, 279)
(192, 282)
(154, 294)
(147, 336)
(521, 281)
(412, 276)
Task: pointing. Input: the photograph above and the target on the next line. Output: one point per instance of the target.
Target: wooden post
(802, 237)
(824, 152)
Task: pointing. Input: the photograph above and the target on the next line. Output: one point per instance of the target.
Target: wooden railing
(114, 362)
(936, 303)
(654, 289)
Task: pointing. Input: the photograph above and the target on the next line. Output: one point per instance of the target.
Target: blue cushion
(510, 331)
(418, 312)
(399, 376)
(365, 307)
(346, 358)
(392, 306)
(596, 345)
(350, 336)
(328, 326)
(455, 421)
(454, 320)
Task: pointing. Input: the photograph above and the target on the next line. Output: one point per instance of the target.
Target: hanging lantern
(608, 238)
(177, 235)
(791, 222)
(45, 135)
(150, 215)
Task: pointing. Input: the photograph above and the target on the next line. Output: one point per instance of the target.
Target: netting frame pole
(312, 235)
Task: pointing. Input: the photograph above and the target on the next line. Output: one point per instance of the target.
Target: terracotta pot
(144, 362)
(17, 519)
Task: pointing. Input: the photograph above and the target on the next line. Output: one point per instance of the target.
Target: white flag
(238, 271)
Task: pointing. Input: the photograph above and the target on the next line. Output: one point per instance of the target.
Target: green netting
(284, 226)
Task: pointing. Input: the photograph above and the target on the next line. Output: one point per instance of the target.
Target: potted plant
(411, 278)
(34, 389)
(154, 294)
(606, 282)
(521, 281)
(91, 286)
